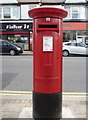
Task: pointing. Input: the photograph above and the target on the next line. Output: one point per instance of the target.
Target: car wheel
(65, 53)
(12, 52)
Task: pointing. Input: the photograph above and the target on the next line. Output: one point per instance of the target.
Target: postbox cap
(47, 12)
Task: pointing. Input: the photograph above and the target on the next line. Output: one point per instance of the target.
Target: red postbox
(47, 49)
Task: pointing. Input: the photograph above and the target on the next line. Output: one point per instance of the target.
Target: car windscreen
(81, 45)
(70, 44)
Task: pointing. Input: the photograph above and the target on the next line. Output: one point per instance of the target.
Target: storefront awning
(75, 26)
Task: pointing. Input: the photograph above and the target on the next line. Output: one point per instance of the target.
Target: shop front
(17, 33)
(76, 31)
(20, 33)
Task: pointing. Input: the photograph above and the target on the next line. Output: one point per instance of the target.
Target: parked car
(8, 48)
(74, 48)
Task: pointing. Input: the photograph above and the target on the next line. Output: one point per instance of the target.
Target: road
(17, 73)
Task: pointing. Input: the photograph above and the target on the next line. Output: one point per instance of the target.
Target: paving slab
(21, 107)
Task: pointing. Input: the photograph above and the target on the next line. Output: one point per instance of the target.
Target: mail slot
(47, 26)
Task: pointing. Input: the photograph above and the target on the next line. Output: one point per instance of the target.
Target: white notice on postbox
(47, 43)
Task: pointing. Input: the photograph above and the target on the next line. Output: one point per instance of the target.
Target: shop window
(19, 40)
(81, 33)
(69, 36)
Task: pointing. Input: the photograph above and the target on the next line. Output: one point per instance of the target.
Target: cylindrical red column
(47, 49)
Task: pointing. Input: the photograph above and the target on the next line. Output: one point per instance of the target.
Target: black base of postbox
(47, 106)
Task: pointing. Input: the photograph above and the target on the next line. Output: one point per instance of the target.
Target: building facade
(16, 26)
(75, 24)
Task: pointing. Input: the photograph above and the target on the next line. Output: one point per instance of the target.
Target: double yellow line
(28, 93)
(75, 94)
(24, 93)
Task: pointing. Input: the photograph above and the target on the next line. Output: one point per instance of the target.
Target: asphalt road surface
(16, 73)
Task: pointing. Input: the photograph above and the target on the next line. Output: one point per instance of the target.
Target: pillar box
(47, 61)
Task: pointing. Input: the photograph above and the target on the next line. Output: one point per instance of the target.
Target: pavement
(27, 53)
(19, 105)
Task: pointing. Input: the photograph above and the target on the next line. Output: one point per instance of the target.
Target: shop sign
(16, 26)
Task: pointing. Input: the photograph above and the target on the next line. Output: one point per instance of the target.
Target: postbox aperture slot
(47, 26)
